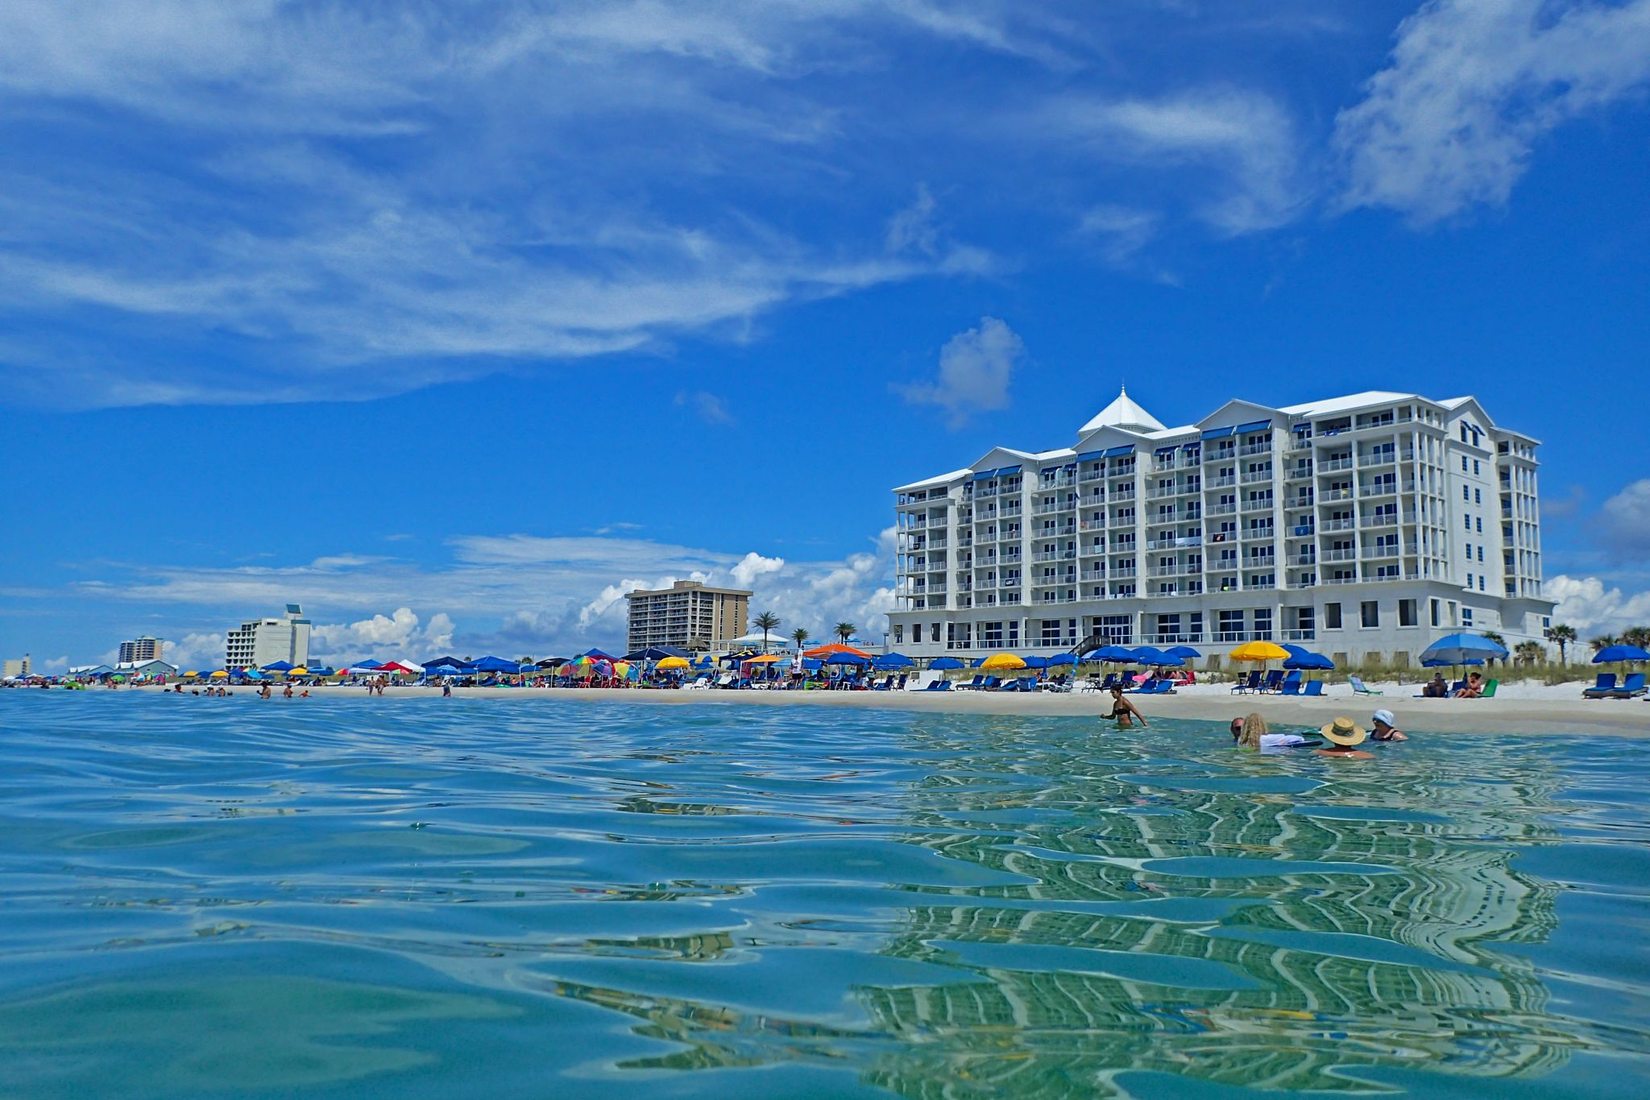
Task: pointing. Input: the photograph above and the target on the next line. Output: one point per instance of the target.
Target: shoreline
(1214, 703)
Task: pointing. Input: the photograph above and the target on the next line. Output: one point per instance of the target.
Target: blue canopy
(1457, 648)
(1620, 653)
(1185, 651)
(847, 659)
(280, 666)
(446, 670)
(452, 662)
(1034, 661)
(1441, 662)
(598, 655)
(942, 663)
(495, 664)
(888, 661)
(1113, 653)
(655, 653)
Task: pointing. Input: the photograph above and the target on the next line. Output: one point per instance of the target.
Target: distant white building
(1359, 526)
(260, 642)
(144, 648)
(149, 669)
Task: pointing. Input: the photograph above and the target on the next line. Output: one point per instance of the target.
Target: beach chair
(939, 685)
(1161, 687)
(883, 684)
(1109, 682)
(1630, 687)
(1313, 688)
(1358, 687)
(1602, 687)
(1274, 682)
(1291, 686)
(1489, 690)
(1457, 687)
(1248, 683)
(992, 683)
(974, 684)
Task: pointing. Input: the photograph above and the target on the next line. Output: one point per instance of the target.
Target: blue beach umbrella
(1034, 661)
(1185, 652)
(848, 659)
(280, 666)
(1438, 662)
(1613, 653)
(942, 664)
(1062, 659)
(892, 661)
(1457, 648)
(1150, 655)
(1112, 654)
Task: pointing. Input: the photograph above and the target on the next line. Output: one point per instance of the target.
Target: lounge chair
(938, 685)
(1249, 683)
(1274, 682)
(1291, 687)
(1630, 687)
(1313, 688)
(974, 684)
(1602, 687)
(1160, 687)
(992, 683)
(1358, 687)
(1109, 682)
(1489, 690)
(883, 684)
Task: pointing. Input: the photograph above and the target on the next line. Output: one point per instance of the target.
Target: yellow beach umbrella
(770, 659)
(219, 675)
(673, 662)
(1259, 651)
(299, 671)
(191, 674)
(997, 662)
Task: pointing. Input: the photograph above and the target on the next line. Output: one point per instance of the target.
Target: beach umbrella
(299, 671)
(1033, 661)
(857, 660)
(1002, 662)
(597, 655)
(191, 675)
(1112, 654)
(279, 666)
(1456, 648)
(219, 675)
(1439, 662)
(890, 661)
(822, 651)
(668, 663)
(1614, 653)
(944, 664)
(1062, 659)
(1259, 651)
(1185, 652)
(766, 659)
(1150, 655)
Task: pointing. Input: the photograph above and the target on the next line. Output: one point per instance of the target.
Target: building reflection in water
(1280, 923)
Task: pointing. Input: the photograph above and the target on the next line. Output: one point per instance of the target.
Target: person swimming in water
(1124, 711)
(1251, 733)
(1345, 736)
(1384, 728)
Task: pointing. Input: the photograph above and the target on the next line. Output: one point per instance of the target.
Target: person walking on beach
(1383, 728)
(1124, 711)
(1344, 736)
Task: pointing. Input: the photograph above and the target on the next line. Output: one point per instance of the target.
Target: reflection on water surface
(233, 899)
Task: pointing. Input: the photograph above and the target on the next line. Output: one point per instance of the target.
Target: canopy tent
(279, 666)
(495, 664)
(656, 653)
(1456, 648)
(857, 660)
(452, 662)
(549, 663)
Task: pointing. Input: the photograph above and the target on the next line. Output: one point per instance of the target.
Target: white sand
(1525, 707)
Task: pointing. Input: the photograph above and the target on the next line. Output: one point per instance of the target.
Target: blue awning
(1115, 452)
(1191, 447)
(1218, 433)
(1254, 426)
(984, 475)
(1004, 471)
(1161, 451)
(1090, 456)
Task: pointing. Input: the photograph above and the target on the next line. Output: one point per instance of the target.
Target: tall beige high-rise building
(687, 615)
(21, 667)
(259, 642)
(143, 648)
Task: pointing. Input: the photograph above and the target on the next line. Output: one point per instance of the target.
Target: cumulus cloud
(195, 650)
(752, 566)
(1595, 607)
(398, 634)
(1624, 521)
(976, 369)
(1472, 87)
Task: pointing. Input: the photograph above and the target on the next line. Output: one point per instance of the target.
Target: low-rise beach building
(1360, 526)
(259, 642)
(687, 615)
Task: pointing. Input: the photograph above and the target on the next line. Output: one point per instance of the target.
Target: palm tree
(765, 622)
(1498, 640)
(845, 631)
(1637, 635)
(1561, 636)
(1601, 641)
(1527, 654)
(800, 636)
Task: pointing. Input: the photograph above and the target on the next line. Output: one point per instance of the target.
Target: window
(1478, 496)
(1466, 494)
(1479, 524)
(899, 634)
(1436, 620)
(933, 632)
(1469, 580)
(1463, 457)
(1468, 521)
(1480, 582)
(1406, 612)
(1370, 613)
(1332, 616)
(1469, 550)
(1466, 616)
(1475, 466)
(1480, 553)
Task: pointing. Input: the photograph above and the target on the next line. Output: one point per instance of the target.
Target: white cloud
(1241, 145)
(398, 634)
(195, 650)
(1624, 520)
(1593, 607)
(752, 566)
(1473, 86)
(1125, 230)
(708, 406)
(976, 370)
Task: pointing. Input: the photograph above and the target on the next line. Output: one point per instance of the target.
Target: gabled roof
(1124, 412)
(1238, 409)
(932, 482)
(1349, 402)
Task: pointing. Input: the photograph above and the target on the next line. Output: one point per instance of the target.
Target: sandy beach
(1520, 707)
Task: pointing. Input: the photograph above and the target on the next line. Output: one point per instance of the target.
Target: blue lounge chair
(1313, 687)
(1274, 682)
(1358, 687)
(1249, 683)
(1291, 686)
(974, 684)
(1161, 687)
(1109, 682)
(883, 684)
(1630, 687)
(992, 683)
(939, 685)
(1602, 687)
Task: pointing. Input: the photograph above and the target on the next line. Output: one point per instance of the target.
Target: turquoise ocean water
(548, 898)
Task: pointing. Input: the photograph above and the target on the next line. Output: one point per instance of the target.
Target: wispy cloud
(1472, 87)
(709, 407)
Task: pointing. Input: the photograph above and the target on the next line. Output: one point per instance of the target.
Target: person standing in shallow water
(1384, 727)
(1124, 711)
(1344, 736)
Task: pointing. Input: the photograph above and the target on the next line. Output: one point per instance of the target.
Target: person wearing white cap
(1385, 727)
(1344, 736)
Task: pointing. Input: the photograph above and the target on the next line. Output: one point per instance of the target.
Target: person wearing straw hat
(1383, 727)
(1344, 736)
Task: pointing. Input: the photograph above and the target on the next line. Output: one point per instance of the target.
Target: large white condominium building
(1360, 526)
(144, 648)
(260, 642)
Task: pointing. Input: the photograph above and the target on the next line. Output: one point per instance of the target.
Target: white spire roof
(1123, 413)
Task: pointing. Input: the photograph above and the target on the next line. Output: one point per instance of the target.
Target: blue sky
(454, 321)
